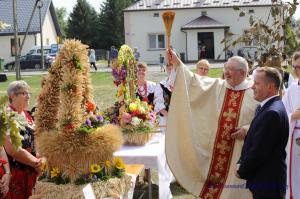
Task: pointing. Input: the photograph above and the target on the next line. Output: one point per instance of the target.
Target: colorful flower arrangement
(98, 172)
(93, 118)
(132, 114)
(124, 73)
(138, 117)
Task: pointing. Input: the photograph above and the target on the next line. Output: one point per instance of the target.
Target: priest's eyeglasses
(296, 67)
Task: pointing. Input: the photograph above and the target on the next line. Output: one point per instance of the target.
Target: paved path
(151, 68)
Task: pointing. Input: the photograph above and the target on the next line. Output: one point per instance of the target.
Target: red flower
(135, 113)
(69, 126)
(90, 107)
(145, 99)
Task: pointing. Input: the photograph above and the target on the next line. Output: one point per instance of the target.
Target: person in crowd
(4, 174)
(162, 97)
(202, 50)
(92, 59)
(262, 162)
(24, 164)
(292, 104)
(162, 63)
(145, 90)
(229, 53)
(203, 67)
(113, 55)
(287, 78)
(203, 148)
(136, 54)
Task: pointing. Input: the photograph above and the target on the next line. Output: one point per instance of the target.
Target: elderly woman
(146, 88)
(24, 165)
(203, 67)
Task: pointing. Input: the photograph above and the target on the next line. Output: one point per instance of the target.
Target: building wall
(139, 24)
(5, 50)
(49, 37)
(192, 42)
(49, 32)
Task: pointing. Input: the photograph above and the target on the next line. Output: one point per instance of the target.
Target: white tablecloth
(152, 155)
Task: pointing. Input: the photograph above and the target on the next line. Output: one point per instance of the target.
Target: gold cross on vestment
(225, 135)
(219, 166)
(229, 115)
(211, 192)
(233, 99)
(226, 131)
(223, 147)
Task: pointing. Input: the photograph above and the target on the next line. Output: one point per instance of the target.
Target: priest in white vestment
(291, 101)
(207, 122)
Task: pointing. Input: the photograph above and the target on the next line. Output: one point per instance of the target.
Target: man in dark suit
(262, 162)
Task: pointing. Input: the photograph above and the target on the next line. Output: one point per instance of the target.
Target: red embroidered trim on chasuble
(223, 146)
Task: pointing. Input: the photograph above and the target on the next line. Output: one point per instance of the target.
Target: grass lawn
(103, 87)
(104, 95)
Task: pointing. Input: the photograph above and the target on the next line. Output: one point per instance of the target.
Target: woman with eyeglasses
(24, 165)
(145, 90)
(203, 67)
(292, 105)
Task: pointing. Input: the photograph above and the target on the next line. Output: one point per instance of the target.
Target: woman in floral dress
(24, 165)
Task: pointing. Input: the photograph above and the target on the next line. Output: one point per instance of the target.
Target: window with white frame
(156, 41)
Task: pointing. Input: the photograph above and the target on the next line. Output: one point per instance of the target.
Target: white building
(50, 26)
(198, 24)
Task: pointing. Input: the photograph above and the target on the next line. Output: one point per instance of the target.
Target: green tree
(111, 23)
(82, 24)
(61, 14)
(275, 40)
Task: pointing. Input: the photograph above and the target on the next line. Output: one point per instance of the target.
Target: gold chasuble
(200, 151)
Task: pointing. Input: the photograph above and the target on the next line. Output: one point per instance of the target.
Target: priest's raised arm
(204, 113)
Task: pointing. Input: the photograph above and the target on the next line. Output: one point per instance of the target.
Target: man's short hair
(272, 75)
(241, 63)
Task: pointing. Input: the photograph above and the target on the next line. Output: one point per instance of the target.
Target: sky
(69, 4)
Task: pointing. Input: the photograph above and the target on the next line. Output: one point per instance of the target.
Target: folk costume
(292, 103)
(200, 151)
(163, 93)
(146, 92)
(23, 177)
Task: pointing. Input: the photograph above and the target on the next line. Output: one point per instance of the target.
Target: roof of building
(188, 4)
(203, 22)
(24, 11)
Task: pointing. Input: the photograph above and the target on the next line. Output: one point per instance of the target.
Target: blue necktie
(257, 109)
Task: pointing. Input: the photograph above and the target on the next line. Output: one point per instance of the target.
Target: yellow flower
(54, 172)
(133, 106)
(119, 163)
(107, 164)
(95, 168)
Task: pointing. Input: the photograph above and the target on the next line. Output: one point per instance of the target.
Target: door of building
(206, 49)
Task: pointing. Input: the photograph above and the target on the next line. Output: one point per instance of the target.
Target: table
(152, 156)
